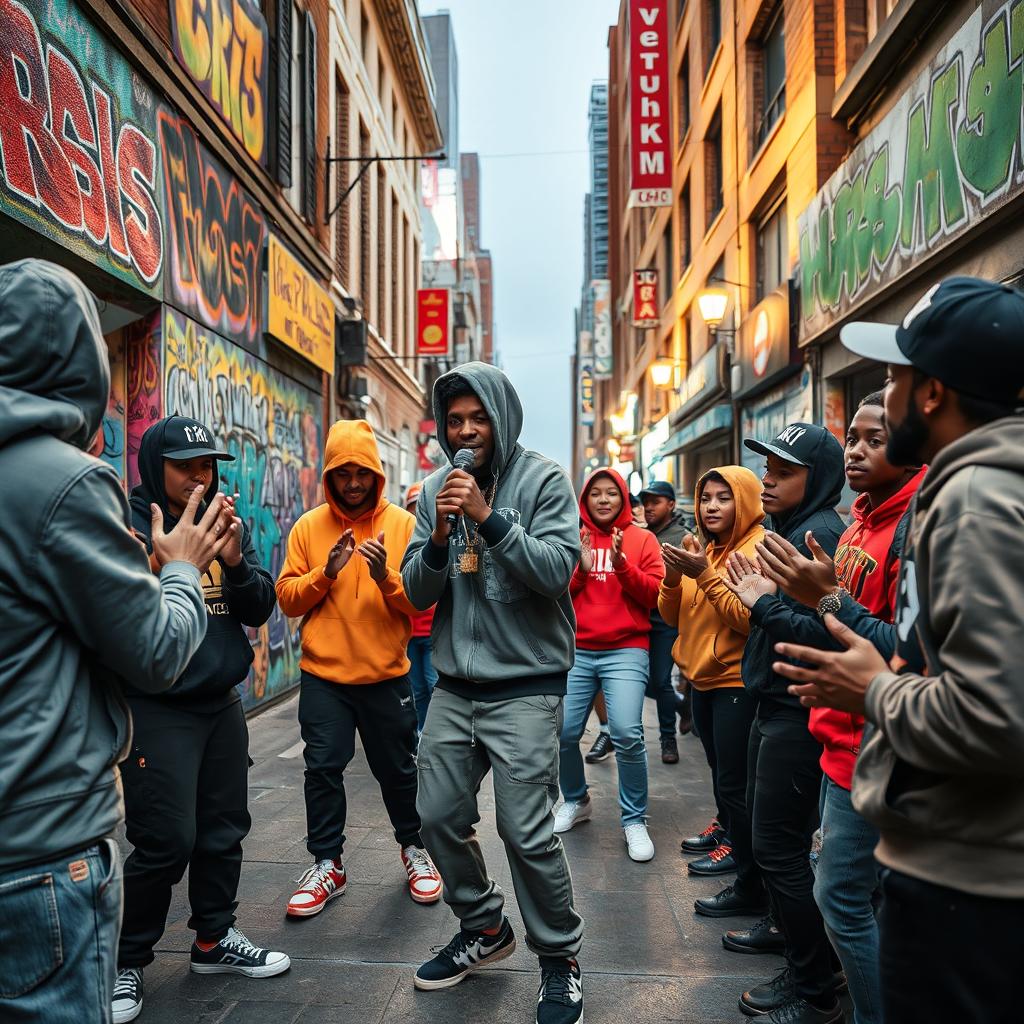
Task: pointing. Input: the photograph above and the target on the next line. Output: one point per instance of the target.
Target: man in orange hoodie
(355, 630)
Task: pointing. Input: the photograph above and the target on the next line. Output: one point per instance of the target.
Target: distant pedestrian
(341, 577)
(422, 676)
(613, 591)
(713, 626)
(942, 768)
(81, 611)
(186, 781)
(503, 645)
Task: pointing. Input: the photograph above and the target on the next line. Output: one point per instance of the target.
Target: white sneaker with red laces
(424, 878)
(322, 882)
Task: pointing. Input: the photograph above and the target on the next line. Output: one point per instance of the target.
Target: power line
(539, 152)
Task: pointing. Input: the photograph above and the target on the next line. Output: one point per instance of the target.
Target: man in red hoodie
(613, 591)
(866, 567)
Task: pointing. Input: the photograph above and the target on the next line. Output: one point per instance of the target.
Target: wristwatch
(832, 602)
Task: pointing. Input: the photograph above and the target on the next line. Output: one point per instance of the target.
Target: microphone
(464, 459)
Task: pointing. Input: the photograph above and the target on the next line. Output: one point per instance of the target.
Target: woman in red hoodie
(613, 591)
(866, 567)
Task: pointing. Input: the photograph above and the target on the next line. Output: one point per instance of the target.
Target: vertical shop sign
(645, 299)
(650, 142)
(299, 311)
(433, 335)
(601, 295)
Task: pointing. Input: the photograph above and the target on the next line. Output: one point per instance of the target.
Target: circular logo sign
(432, 335)
(762, 344)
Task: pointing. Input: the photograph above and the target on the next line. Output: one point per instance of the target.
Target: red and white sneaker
(322, 882)
(424, 878)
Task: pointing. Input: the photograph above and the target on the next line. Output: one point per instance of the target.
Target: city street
(646, 957)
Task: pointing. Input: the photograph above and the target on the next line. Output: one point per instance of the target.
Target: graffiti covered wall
(114, 421)
(223, 46)
(949, 152)
(145, 392)
(78, 160)
(271, 424)
(215, 236)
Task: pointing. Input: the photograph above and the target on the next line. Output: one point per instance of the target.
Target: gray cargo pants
(462, 740)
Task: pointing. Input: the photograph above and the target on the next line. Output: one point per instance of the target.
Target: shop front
(933, 189)
(204, 313)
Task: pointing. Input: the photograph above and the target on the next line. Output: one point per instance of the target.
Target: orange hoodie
(353, 630)
(713, 624)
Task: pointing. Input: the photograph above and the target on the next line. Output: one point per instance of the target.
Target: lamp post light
(712, 303)
(663, 372)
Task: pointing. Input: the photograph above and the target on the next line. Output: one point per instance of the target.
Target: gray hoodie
(942, 772)
(514, 619)
(80, 607)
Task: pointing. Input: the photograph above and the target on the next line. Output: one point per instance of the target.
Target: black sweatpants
(185, 795)
(330, 714)
(948, 955)
(784, 785)
(722, 720)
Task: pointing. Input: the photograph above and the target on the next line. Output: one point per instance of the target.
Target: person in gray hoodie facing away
(941, 769)
(503, 643)
(82, 611)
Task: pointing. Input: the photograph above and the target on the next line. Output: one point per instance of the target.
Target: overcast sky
(525, 70)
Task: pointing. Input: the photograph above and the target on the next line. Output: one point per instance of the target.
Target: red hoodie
(613, 606)
(863, 567)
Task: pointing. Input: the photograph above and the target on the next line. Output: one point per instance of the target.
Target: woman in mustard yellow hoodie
(713, 627)
(342, 577)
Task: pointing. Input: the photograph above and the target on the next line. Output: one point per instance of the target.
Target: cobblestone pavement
(646, 957)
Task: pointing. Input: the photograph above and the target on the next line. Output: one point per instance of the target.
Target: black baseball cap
(965, 331)
(659, 489)
(186, 438)
(797, 443)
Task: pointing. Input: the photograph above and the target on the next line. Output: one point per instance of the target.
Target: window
(295, 118)
(364, 33)
(397, 338)
(715, 198)
(712, 30)
(382, 265)
(281, 84)
(773, 75)
(301, 101)
(684, 97)
(685, 253)
(342, 216)
(365, 189)
(772, 251)
(666, 260)
(878, 12)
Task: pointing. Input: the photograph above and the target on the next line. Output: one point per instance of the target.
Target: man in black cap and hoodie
(802, 483)
(186, 780)
(82, 611)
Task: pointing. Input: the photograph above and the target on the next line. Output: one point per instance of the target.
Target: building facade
(192, 202)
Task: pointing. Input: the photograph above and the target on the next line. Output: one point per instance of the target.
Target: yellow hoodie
(353, 630)
(712, 623)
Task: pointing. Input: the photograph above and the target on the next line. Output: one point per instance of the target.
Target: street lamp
(614, 449)
(712, 303)
(663, 372)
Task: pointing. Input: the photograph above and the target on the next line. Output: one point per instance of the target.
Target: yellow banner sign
(299, 311)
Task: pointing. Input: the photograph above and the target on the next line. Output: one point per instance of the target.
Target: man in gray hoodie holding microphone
(503, 643)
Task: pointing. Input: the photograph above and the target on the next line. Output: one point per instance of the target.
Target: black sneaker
(560, 996)
(763, 999)
(600, 750)
(728, 903)
(763, 937)
(235, 954)
(704, 841)
(719, 861)
(669, 750)
(685, 717)
(468, 951)
(799, 1011)
(126, 1004)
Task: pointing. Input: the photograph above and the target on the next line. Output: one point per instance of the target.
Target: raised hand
(695, 557)
(804, 579)
(199, 543)
(746, 581)
(586, 550)
(231, 554)
(339, 555)
(618, 558)
(376, 556)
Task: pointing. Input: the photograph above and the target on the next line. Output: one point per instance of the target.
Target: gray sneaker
(127, 1002)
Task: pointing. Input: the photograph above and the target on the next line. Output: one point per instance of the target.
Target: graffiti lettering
(950, 149)
(72, 162)
(223, 46)
(144, 347)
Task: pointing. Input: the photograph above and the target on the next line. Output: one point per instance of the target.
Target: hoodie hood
(499, 399)
(54, 370)
(353, 441)
(625, 516)
(999, 444)
(826, 476)
(150, 489)
(746, 492)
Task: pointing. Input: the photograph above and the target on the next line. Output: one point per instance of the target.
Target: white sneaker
(638, 842)
(127, 1002)
(572, 812)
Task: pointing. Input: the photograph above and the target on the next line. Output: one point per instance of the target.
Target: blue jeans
(58, 938)
(844, 884)
(422, 676)
(622, 675)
